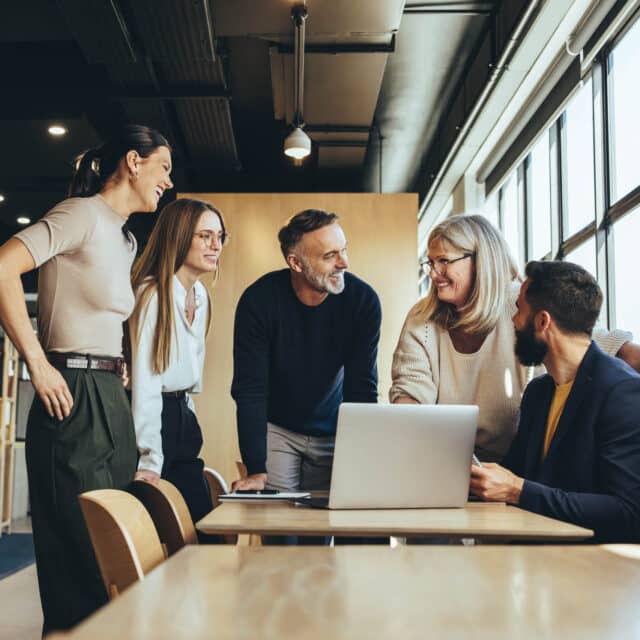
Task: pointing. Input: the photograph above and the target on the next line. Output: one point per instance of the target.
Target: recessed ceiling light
(1, 198)
(23, 220)
(57, 130)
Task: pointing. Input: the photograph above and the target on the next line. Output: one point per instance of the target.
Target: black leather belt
(86, 361)
(180, 395)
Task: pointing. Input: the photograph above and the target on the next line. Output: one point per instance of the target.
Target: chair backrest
(124, 539)
(169, 513)
(217, 484)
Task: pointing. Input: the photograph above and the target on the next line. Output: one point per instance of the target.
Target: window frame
(607, 214)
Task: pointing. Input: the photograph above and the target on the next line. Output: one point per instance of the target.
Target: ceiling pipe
(496, 73)
(297, 144)
(299, 15)
(343, 47)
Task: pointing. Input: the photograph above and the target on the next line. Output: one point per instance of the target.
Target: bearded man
(305, 340)
(576, 456)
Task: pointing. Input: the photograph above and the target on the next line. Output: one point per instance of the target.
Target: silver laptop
(402, 456)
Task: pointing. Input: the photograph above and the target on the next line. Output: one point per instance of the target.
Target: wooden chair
(124, 539)
(169, 513)
(218, 486)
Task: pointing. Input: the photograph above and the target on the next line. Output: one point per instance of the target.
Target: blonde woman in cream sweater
(457, 343)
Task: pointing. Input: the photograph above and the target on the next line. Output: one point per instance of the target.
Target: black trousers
(181, 444)
(93, 448)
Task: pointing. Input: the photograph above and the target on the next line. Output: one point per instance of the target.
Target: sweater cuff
(611, 341)
(255, 466)
(529, 496)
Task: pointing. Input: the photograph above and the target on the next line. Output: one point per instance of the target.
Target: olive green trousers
(93, 448)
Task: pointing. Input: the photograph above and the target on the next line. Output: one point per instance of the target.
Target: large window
(580, 184)
(491, 210)
(623, 65)
(627, 298)
(553, 211)
(585, 256)
(540, 189)
(509, 217)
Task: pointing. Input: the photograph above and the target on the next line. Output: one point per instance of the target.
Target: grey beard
(323, 284)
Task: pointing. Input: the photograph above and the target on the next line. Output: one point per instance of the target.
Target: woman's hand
(405, 400)
(146, 475)
(51, 387)
(125, 375)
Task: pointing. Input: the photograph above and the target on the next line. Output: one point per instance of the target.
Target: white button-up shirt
(183, 373)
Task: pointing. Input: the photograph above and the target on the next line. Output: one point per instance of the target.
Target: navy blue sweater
(294, 364)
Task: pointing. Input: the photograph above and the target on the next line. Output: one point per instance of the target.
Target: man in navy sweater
(576, 456)
(305, 340)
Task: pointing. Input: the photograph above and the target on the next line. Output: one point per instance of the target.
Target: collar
(180, 293)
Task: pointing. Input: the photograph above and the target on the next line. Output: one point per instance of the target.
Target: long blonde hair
(153, 272)
(494, 271)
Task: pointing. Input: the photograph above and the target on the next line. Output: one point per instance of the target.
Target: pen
(474, 460)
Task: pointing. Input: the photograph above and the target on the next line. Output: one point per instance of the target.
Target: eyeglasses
(206, 237)
(440, 265)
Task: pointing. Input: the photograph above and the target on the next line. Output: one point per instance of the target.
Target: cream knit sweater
(427, 368)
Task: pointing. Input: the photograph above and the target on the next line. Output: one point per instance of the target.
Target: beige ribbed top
(84, 284)
(427, 367)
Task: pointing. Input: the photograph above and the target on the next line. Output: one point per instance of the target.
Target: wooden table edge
(582, 534)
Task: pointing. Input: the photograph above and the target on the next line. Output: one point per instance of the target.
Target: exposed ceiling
(432, 52)
(216, 77)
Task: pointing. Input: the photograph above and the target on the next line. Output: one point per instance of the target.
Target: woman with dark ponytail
(80, 433)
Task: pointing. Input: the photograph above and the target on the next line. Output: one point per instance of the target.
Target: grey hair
(494, 271)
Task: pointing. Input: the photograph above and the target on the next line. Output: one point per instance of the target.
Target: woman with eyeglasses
(457, 343)
(167, 332)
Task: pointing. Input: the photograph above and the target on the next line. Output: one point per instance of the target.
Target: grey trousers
(296, 462)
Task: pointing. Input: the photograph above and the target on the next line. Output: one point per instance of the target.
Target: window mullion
(604, 258)
(557, 190)
(522, 211)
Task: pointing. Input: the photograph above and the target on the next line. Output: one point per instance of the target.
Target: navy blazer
(591, 474)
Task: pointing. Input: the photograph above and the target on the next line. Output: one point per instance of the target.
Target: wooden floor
(21, 617)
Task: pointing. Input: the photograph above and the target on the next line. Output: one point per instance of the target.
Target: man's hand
(256, 481)
(146, 475)
(51, 387)
(495, 483)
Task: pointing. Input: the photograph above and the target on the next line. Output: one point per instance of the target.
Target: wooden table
(486, 521)
(309, 593)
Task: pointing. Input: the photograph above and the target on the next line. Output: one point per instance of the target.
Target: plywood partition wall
(381, 232)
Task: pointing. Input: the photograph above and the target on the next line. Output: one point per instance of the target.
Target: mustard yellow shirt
(555, 411)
